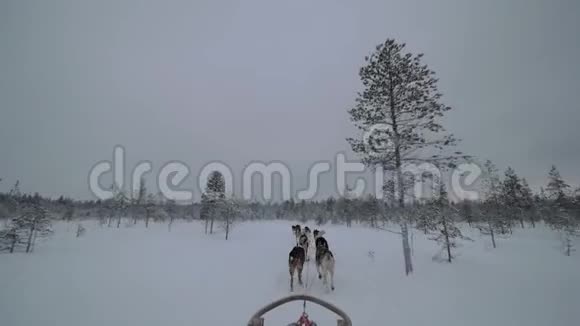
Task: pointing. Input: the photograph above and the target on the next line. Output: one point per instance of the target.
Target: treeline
(507, 202)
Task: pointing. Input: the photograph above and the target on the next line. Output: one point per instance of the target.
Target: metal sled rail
(258, 320)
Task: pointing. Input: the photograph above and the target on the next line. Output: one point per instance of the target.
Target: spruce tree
(561, 213)
(211, 198)
(511, 190)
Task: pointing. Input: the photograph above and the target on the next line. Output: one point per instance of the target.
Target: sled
(258, 320)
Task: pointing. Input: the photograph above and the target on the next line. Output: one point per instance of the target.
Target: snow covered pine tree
(33, 223)
(442, 225)
(401, 97)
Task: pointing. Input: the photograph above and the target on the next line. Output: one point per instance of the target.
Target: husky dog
(325, 265)
(295, 264)
(304, 242)
(296, 230)
(324, 258)
(320, 243)
(319, 240)
(310, 237)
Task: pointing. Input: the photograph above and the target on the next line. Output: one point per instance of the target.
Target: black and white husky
(324, 259)
(304, 242)
(295, 264)
(296, 230)
(318, 239)
(325, 265)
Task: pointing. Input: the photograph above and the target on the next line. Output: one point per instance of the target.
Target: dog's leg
(323, 270)
(331, 270)
(300, 275)
(291, 279)
(317, 260)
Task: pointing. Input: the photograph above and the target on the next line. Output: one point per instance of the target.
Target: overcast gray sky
(239, 81)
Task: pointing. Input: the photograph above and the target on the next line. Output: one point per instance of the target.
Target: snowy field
(145, 277)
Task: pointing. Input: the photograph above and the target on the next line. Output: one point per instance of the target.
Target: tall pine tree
(401, 103)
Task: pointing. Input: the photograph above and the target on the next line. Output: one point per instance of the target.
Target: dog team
(299, 255)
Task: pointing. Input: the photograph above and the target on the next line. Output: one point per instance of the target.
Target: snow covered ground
(141, 277)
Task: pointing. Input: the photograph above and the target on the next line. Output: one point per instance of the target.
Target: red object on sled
(304, 321)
